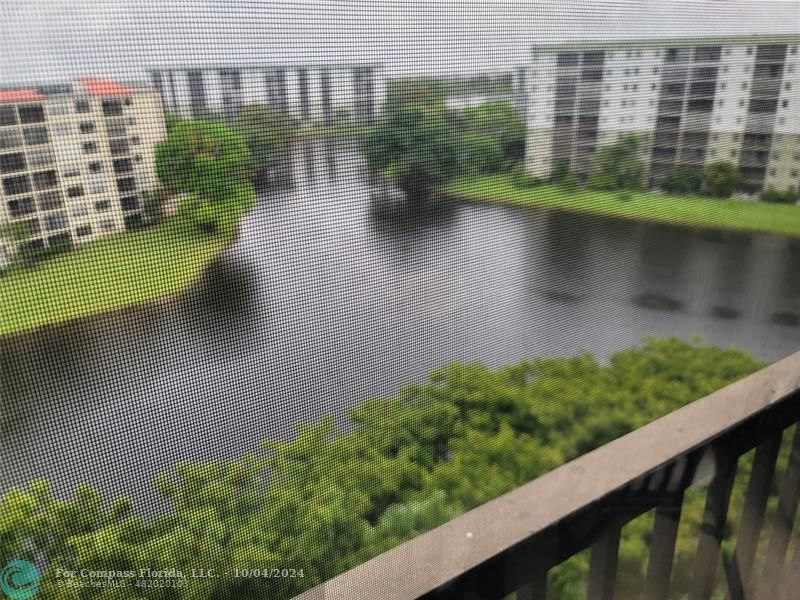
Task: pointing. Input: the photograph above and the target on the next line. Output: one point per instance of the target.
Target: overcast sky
(54, 40)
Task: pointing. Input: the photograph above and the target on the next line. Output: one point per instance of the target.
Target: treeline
(419, 144)
(332, 498)
(484, 84)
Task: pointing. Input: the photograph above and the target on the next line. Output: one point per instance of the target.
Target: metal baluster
(603, 566)
(712, 528)
(755, 504)
(536, 589)
(784, 522)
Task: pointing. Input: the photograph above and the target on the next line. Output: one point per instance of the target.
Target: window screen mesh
(284, 285)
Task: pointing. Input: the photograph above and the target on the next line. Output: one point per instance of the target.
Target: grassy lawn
(643, 206)
(109, 273)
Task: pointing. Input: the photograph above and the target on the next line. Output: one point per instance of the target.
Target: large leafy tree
(501, 121)
(203, 158)
(267, 133)
(721, 178)
(413, 146)
(618, 166)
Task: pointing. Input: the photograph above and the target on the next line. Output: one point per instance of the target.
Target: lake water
(323, 302)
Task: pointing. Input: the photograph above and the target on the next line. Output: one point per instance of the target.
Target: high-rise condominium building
(311, 93)
(74, 160)
(691, 102)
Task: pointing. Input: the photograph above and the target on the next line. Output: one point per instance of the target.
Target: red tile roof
(19, 95)
(103, 87)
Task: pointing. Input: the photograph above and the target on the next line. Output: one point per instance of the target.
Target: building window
(118, 147)
(772, 172)
(44, 180)
(746, 69)
(78, 210)
(784, 103)
(776, 155)
(135, 140)
(724, 68)
(75, 191)
(54, 221)
(721, 103)
(35, 136)
(112, 108)
(61, 129)
(733, 153)
(8, 116)
(129, 203)
(107, 225)
(31, 113)
(652, 86)
(744, 85)
(82, 106)
(655, 70)
(132, 120)
(41, 157)
(796, 156)
(128, 184)
(794, 173)
(741, 103)
(10, 138)
(21, 184)
(89, 147)
(788, 85)
(11, 163)
(84, 230)
(792, 49)
(50, 200)
(116, 128)
(72, 172)
(722, 85)
(636, 71)
(123, 165)
(713, 152)
(102, 206)
(95, 167)
(58, 108)
(97, 187)
(20, 207)
(87, 127)
(749, 49)
(137, 158)
(128, 101)
(790, 68)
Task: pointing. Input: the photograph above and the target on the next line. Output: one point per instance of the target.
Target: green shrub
(779, 197)
(682, 180)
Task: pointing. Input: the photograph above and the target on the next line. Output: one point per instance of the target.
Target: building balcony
(510, 544)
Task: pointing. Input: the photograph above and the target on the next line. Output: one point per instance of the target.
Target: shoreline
(543, 203)
(165, 298)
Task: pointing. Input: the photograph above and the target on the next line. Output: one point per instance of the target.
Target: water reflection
(325, 300)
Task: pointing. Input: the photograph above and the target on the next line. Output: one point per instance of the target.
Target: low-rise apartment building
(691, 101)
(74, 161)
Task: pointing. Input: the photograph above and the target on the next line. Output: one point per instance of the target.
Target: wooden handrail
(508, 536)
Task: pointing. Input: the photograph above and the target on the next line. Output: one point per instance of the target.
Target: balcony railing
(508, 545)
